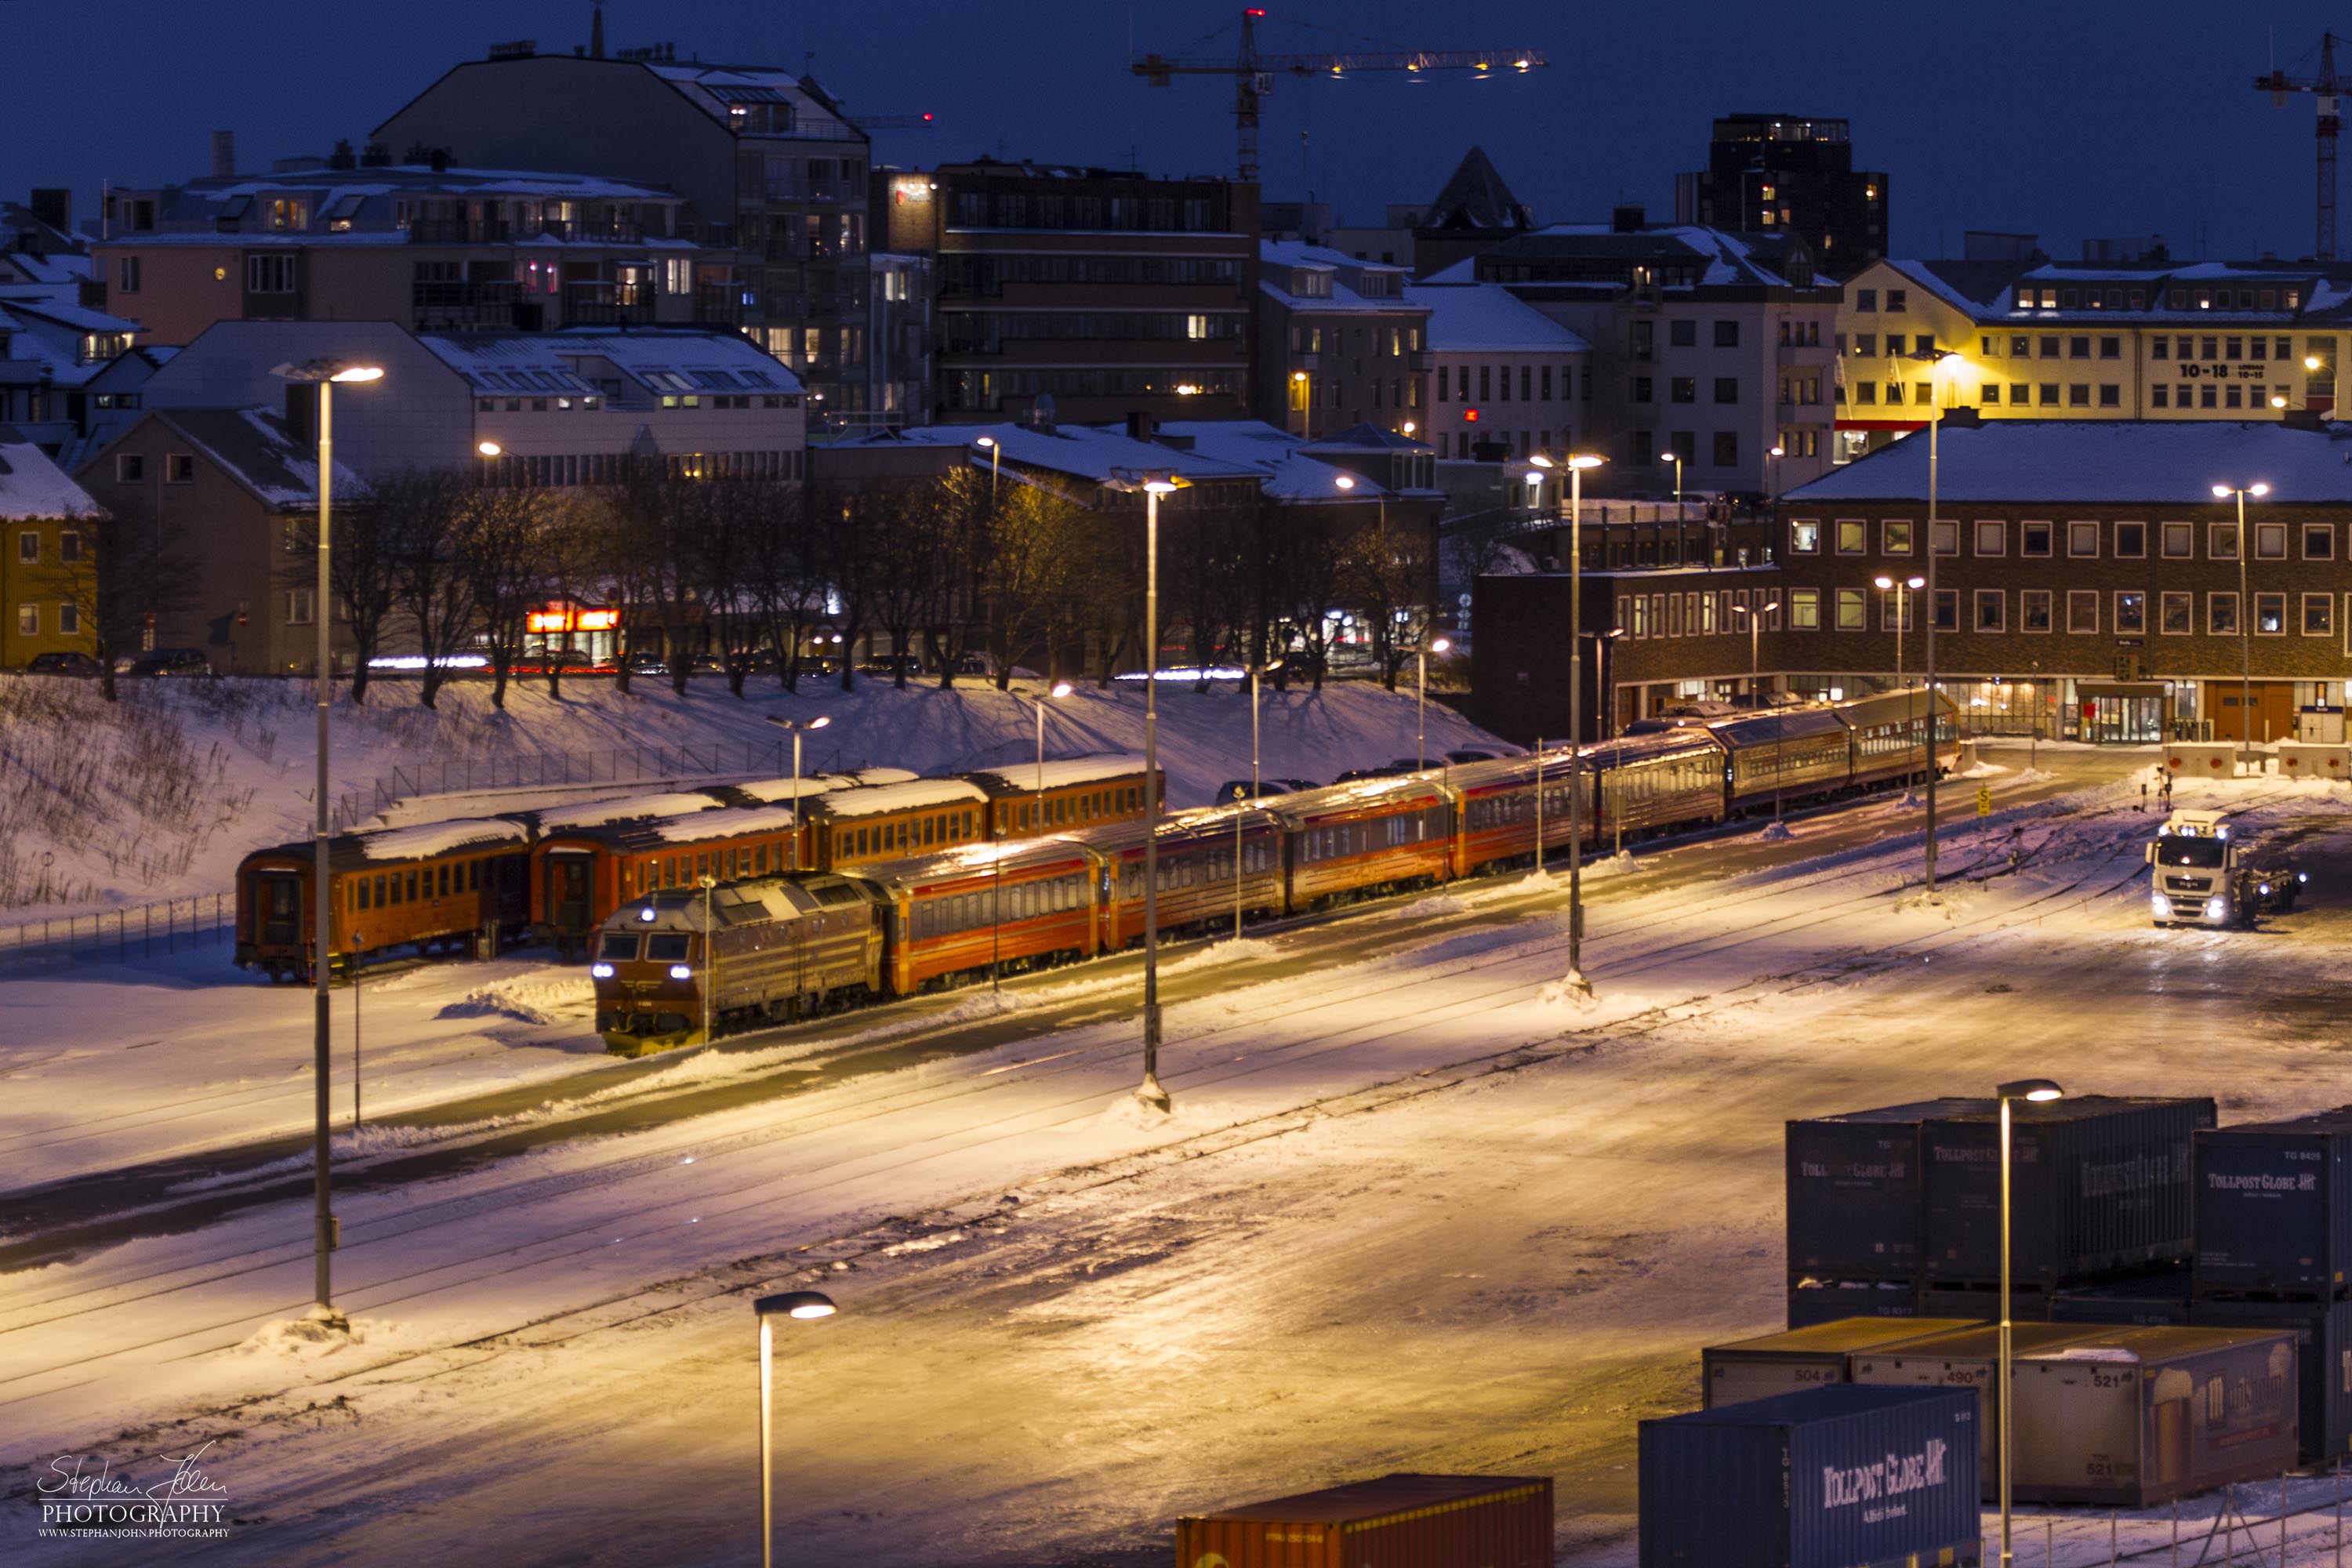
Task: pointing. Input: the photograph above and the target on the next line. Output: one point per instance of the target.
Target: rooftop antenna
(1306, 173)
(596, 33)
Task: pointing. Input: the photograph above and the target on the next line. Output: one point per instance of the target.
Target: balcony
(460, 231)
(718, 305)
(500, 294)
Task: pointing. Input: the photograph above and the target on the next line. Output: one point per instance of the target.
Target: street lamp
(995, 460)
(1154, 483)
(802, 1306)
(1938, 359)
(1756, 614)
(1671, 456)
(1901, 587)
(1421, 698)
(2314, 364)
(2037, 1089)
(1060, 688)
(2245, 624)
(799, 727)
(1577, 464)
(1306, 405)
(1772, 478)
(323, 373)
(1604, 697)
(711, 949)
(1256, 671)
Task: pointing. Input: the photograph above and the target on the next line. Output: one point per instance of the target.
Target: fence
(541, 769)
(117, 934)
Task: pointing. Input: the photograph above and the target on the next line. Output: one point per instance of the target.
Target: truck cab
(2198, 879)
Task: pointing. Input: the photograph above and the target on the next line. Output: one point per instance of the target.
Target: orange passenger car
(1369, 835)
(449, 886)
(581, 875)
(1016, 904)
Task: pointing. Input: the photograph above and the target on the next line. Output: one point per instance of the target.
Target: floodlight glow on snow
(2035, 1088)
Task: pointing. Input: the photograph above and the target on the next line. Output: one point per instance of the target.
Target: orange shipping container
(1396, 1521)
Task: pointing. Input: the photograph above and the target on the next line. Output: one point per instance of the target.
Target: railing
(117, 934)
(544, 769)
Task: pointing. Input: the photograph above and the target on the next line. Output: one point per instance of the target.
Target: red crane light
(1469, 417)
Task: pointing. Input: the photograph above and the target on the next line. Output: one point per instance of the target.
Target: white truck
(2205, 874)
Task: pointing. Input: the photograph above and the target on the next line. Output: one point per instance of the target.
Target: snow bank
(549, 998)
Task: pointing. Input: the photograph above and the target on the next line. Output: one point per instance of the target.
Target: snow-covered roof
(1288, 472)
(1486, 318)
(426, 839)
(886, 775)
(597, 813)
(660, 362)
(769, 790)
(378, 206)
(918, 795)
(695, 826)
(258, 449)
(31, 486)
(1068, 774)
(1280, 259)
(53, 304)
(2088, 462)
(1078, 450)
(1727, 258)
(977, 860)
(716, 88)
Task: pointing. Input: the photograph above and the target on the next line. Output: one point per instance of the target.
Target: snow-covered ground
(1417, 1208)
(159, 795)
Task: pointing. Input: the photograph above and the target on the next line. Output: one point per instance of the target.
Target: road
(1414, 1213)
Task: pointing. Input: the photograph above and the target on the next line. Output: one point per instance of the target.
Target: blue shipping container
(2274, 1208)
(2151, 1300)
(1855, 1198)
(2323, 1331)
(1825, 1479)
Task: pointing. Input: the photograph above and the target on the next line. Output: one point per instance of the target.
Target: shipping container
(2145, 1300)
(1964, 1358)
(2098, 1185)
(1814, 1301)
(1801, 1358)
(2274, 1208)
(2140, 1417)
(2026, 1305)
(1855, 1198)
(1825, 1479)
(1396, 1521)
(2323, 1353)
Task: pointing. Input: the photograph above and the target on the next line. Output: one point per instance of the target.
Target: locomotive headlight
(680, 972)
(646, 913)
(2303, 876)
(2214, 910)
(599, 971)
(2266, 889)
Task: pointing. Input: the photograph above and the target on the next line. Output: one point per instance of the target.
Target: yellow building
(48, 575)
(2086, 341)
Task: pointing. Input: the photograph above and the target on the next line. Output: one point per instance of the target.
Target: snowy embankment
(1417, 1211)
(160, 795)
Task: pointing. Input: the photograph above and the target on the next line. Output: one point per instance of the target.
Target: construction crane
(1254, 73)
(2327, 89)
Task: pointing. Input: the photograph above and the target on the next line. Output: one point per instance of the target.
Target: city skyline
(1998, 155)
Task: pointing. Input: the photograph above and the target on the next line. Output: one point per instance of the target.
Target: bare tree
(783, 581)
(1037, 549)
(568, 569)
(502, 545)
(423, 512)
(129, 564)
(1387, 574)
(843, 529)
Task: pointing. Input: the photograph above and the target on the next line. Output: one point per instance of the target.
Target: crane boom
(2327, 88)
(1254, 73)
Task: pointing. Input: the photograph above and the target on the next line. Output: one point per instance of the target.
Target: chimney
(224, 154)
(596, 33)
(1140, 425)
(439, 160)
(53, 204)
(1627, 217)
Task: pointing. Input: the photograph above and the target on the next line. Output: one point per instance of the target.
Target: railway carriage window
(618, 947)
(379, 890)
(362, 894)
(412, 887)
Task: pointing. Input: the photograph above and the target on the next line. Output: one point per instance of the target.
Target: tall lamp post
(1756, 614)
(1901, 587)
(1577, 465)
(2037, 1089)
(995, 462)
(1060, 688)
(1604, 705)
(799, 727)
(1938, 360)
(710, 951)
(2245, 618)
(1419, 699)
(323, 373)
(1256, 671)
(802, 1306)
(1154, 483)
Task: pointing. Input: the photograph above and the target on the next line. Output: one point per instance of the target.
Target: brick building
(1342, 342)
(2088, 581)
(1109, 293)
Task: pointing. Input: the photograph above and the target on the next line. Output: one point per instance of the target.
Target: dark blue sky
(2064, 118)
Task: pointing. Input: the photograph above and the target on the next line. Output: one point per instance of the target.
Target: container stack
(1897, 1212)
(2275, 1243)
(1424, 1522)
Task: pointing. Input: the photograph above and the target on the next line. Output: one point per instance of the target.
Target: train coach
(584, 873)
(459, 887)
(1029, 798)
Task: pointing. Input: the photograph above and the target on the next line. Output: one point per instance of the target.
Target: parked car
(79, 664)
(1469, 756)
(706, 664)
(163, 661)
(644, 662)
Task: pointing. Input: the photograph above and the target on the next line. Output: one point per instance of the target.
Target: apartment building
(1790, 174)
(1340, 342)
(1505, 379)
(1713, 348)
(2221, 341)
(432, 247)
(61, 361)
(1092, 292)
(47, 568)
(770, 166)
(2087, 579)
